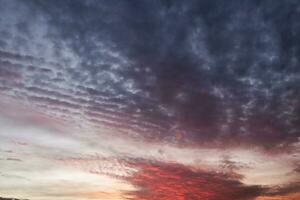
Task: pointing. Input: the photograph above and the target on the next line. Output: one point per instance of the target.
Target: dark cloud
(221, 73)
(297, 169)
(284, 189)
(231, 167)
(14, 159)
(2, 198)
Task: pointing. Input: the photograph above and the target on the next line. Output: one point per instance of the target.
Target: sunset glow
(149, 100)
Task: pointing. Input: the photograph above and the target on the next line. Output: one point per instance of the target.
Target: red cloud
(170, 181)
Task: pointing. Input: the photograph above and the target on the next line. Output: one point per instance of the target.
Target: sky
(149, 100)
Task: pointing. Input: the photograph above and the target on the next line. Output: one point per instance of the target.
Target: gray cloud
(14, 159)
(221, 73)
(284, 189)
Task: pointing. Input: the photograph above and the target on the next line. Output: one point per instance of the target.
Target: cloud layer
(164, 90)
(220, 73)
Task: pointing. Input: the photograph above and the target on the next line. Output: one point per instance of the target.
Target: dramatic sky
(150, 99)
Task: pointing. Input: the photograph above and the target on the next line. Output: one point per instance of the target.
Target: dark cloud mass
(217, 72)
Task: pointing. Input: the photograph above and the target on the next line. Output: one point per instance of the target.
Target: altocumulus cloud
(206, 68)
(220, 72)
(187, 74)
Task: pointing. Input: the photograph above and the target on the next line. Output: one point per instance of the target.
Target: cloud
(221, 77)
(189, 75)
(194, 74)
(160, 180)
(214, 86)
(168, 180)
(284, 189)
(297, 169)
(14, 159)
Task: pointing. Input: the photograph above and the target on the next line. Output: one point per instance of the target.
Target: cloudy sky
(150, 99)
